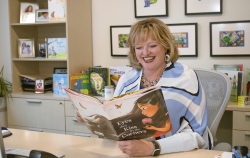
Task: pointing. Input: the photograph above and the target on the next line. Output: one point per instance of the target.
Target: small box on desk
(243, 101)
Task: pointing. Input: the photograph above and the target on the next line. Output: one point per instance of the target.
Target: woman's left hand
(136, 147)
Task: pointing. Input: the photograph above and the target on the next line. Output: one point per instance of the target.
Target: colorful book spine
(248, 82)
(85, 83)
(98, 79)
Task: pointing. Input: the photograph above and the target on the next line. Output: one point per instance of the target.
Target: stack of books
(28, 82)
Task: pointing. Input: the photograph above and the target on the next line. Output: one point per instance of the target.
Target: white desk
(78, 147)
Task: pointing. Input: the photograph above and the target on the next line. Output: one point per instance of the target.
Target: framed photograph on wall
(60, 70)
(39, 86)
(197, 7)
(150, 8)
(229, 38)
(27, 12)
(42, 15)
(26, 48)
(184, 35)
(119, 39)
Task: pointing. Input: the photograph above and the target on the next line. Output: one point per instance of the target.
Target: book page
(93, 114)
(140, 115)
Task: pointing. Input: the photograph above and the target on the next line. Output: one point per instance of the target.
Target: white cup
(109, 92)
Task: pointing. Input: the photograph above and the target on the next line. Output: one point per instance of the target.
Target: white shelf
(37, 59)
(39, 23)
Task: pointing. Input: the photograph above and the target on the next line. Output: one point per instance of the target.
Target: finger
(122, 144)
(78, 114)
(79, 119)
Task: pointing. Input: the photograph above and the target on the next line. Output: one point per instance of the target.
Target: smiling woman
(153, 55)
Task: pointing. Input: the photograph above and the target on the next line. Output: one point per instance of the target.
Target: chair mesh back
(217, 91)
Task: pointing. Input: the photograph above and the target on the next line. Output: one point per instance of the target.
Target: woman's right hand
(79, 118)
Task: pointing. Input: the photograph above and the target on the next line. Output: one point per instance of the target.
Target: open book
(136, 115)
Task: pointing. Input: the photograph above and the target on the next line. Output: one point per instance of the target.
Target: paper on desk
(224, 155)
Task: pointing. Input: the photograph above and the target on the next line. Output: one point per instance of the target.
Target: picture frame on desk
(27, 12)
(26, 48)
(199, 7)
(42, 15)
(39, 86)
(119, 39)
(233, 67)
(185, 37)
(229, 38)
(151, 8)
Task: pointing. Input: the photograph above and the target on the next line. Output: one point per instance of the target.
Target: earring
(166, 57)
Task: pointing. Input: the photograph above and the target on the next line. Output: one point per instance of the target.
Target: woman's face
(30, 9)
(148, 109)
(150, 54)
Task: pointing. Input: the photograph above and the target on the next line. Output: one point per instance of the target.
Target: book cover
(56, 48)
(248, 82)
(116, 73)
(236, 83)
(57, 10)
(98, 79)
(75, 82)
(79, 82)
(137, 115)
(59, 82)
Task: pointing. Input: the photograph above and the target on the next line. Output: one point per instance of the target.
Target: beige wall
(5, 39)
(121, 12)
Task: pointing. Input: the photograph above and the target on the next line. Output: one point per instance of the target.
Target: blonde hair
(158, 31)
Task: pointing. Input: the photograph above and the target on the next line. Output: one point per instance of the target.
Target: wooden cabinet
(36, 114)
(50, 113)
(241, 128)
(234, 127)
(72, 126)
(77, 29)
(46, 112)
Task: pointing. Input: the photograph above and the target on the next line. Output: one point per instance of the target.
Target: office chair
(217, 87)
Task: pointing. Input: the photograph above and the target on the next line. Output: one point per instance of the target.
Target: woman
(153, 57)
(29, 9)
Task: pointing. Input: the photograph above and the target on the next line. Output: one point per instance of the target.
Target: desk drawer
(73, 126)
(70, 109)
(241, 120)
(36, 113)
(241, 138)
